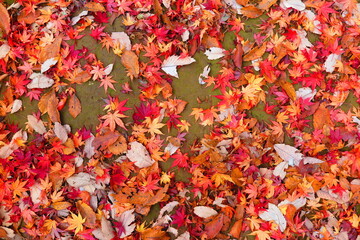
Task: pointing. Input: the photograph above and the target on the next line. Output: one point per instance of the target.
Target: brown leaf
(28, 18)
(255, 53)
(288, 88)
(52, 110)
(213, 227)
(157, 8)
(130, 60)
(242, 2)
(51, 50)
(44, 101)
(94, 7)
(88, 213)
(237, 57)
(74, 106)
(322, 118)
(236, 229)
(209, 41)
(118, 147)
(4, 19)
(266, 4)
(80, 76)
(251, 11)
(154, 233)
(105, 140)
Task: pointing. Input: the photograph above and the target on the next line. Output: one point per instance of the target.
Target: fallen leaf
(36, 124)
(16, 105)
(274, 214)
(288, 88)
(60, 132)
(94, 7)
(139, 155)
(52, 110)
(266, 4)
(106, 232)
(51, 50)
(215, 53)
(154, 233)
(322, 118)
(330, 62)
(118, 147)
(123, 39)
(251, 11)
(4, 19)
(4, 50)
(87, 213)
(74, 106)
(289, 154)
(213, 227)
(169, 65)
(255, 53)
(39, 80)
(127, 219)
(296, 4)
(48, 64)
(204, 211)
(131, 62)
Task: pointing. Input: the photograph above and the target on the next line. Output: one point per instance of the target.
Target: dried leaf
(204, 211)
(106, 232)
(39, 80)
(266, 4)
(44, 101)
(87, 213)
(4, 19)
(48, 64)
(289, 154)
(52, 110)
(251, 11)
(169, 65)
(322, 117)
(127, 218)
(154, 234)
(213, 227)
(131, 61)
(118, 147)
(215, 53)
(36, 124)
(94, 7)
(139, 155)
(51, 50)
(123, 39)
(296, 4)
(274, 214)
(16, 105)
(255, 53)
(60, 132)
(288, 88)
(4, 50)
(74, 106)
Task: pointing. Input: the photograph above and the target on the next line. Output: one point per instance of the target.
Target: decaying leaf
(74, 106)
(139, 155)
(119, 146)
(251, 11)
(39, 80)
(51, 50)
(87, 213)
(131, 61)
(215, 53)
(169, 65)
(4, 19)
(274, 214)
(204, 211)
(36, 124)
(127, 219)
(60, 132)
(255, 53)
(289, 154)
(94, 7)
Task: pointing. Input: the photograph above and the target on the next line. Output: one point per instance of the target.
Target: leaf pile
(293, 175)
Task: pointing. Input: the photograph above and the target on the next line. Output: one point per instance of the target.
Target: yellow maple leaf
(154, 126)
(220, 178)
(76, 223)
(261, 235)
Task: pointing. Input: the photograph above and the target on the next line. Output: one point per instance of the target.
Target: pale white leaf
(17, 104)
(106, 232)
(48, 64)
(169, 65)
(127, 219)
(296, 4)
(171, 149)
(35, 193)
(215, 53)
(7, 150)
(166, 3)
(77, 18)
(39, 80)
(204, 74)
(184, 236)
(60, 132)
(79, 180)
(168, 207)
(10, 233)
(108, 69)
(312, 160)
(89, 149)
(274, 214)
(36, 124)
(355, 182)
(312, 18)
(304, 41)
(356, 120)
(139, 155)
(330, 195)
(305, 93)
(298, 203)
(280, 169)
(185, 36)
(123, 39)
(234, 5)
(289, 154)
(173, 231)
(204, 211)
(330, 62)
(4, 50)
(218, 202)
